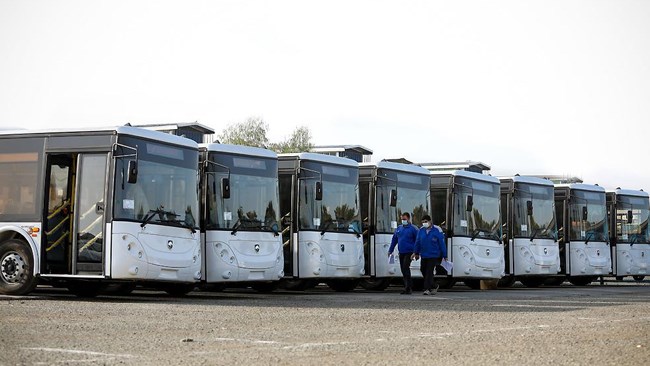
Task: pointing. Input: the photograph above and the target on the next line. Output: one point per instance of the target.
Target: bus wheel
(506, 281)
(179, 289)
(554, 281)
(581, 280)
(16, 268)
(343, 285)
(473, 284)
(296, 285)
(445, 283)
(418, 284)
(86, 288)
(265, 287)
(638, 278)
(120, 289)
(375, 284)
(532, 281)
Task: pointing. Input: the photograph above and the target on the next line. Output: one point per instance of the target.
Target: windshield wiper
(180, 223)
(533, 234)
(235, 227)
(633, 240)
(475, 233)
(327, 225)
(589, 237)
(160, 211)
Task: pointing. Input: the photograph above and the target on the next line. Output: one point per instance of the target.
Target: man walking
(404, 237)
(430, 245)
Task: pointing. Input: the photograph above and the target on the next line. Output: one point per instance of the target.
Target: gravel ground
(595, 325)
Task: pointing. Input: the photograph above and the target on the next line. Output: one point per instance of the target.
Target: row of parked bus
(129, 206)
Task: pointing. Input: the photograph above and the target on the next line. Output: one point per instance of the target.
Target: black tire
(638, 278)
(532, 282)
(213, 287)
(581, 280)
(265, 287)
(418, 284)
(473, 284)
(178, 289)
(554, 281)
(86, 289)
(375, 284)
(343, 285)
(16, 268)
(445, 283)
(296, 284)
(506, 281)
(120, 289)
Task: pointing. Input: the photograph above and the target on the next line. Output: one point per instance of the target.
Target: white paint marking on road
(89, 360)
(312, 345)
(538, 306)
(75, 351)
(242, 340)
(541, 326)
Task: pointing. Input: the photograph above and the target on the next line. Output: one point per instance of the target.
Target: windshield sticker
(583, 233)
(393, 224)
(463, 223)
(524, 228)
(624, 237)
(128, 204)
(316, 221)
(227, 216)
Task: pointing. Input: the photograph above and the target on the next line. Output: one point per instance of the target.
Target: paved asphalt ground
(593, 325)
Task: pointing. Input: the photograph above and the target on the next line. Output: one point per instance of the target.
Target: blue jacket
(431, 244)
(404, 236)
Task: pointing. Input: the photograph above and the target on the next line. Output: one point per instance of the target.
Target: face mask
(425, 225)
(405, 222)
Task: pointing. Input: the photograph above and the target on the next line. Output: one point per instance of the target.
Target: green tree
(251, 132)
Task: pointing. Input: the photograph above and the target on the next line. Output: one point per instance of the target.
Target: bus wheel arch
(16, 267)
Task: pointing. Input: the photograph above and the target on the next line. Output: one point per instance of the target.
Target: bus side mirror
(319, 191)
(225, 188)
(393, 198)
(132, 175)
(584, 213)
(629, 216)
(529, 208)
(469, 203)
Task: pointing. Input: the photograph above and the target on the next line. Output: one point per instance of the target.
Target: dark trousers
(405, 266)
(426, 267)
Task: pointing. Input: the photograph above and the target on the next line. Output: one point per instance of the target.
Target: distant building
(560, 179)
(470, 166)
(357, 153)
(191, 130)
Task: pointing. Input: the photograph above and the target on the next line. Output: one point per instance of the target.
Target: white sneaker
(426, 292)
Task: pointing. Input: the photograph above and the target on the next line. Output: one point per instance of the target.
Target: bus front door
(89, 223)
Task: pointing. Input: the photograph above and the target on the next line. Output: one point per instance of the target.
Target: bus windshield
(541, 222)
(635, 230)
(338, 211)
(594, 227)
(253, 203)
(483, 220)
(412, 197)
(166, 191)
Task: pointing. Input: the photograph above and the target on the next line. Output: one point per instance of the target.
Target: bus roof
(582, 187)
(120, 130)
(328, 159)
(629, 192)
(470, 175)
(529, 180)
(408, 168)
(240, 150)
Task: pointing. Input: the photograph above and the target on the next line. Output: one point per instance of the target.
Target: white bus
(319, 202)
(387, 190)
(84, 208)
(240, 210)
(628, 212)
(581, 214)
(466, 205)
(531, 246)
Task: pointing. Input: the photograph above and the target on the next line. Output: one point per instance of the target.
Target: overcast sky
(531, 87)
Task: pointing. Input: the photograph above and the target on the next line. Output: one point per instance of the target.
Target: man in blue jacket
(430, 245)
(405, 236)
